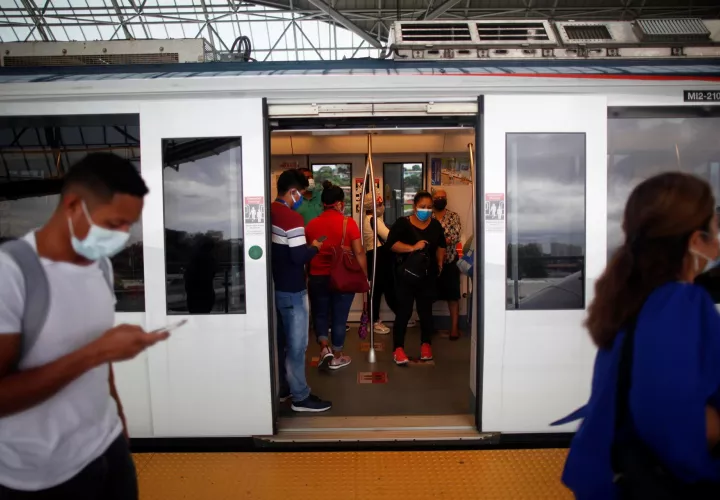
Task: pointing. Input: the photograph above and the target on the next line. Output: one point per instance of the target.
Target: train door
(544, 245)
(206, 257)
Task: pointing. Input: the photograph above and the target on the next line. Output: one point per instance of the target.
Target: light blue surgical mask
(100, 242)
(296, 203)
(423, 214)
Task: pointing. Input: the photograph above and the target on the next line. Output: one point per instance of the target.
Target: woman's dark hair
(660, 216)
(332, 195)
(420, 195)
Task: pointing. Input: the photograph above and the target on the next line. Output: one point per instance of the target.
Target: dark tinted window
(35, 153)
(402, 181)
(545, 221)
(648, 141)
(204, 263)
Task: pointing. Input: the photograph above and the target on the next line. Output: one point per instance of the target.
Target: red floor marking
(314, 362)
(372, 378)
(365, 346)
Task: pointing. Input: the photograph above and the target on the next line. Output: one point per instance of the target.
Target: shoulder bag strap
(622, 391)
(37, 291)
(345, 223)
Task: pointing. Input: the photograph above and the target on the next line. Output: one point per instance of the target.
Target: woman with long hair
(652, 419)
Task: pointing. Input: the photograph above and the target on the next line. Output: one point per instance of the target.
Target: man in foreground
(61, 430)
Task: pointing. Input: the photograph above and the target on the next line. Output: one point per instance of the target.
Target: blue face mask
(423, 214)
(296, 203)
(100, 242)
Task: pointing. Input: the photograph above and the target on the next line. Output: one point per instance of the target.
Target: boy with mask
(61, 423)
(290, 254)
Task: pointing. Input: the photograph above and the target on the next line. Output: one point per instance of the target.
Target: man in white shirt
(61, 433)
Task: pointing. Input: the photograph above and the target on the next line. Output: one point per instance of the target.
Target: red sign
(372, 378)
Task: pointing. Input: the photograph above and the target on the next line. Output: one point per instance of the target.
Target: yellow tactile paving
(455, 475)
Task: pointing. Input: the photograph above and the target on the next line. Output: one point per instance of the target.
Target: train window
(36, 151)
(204, 258)
(340, 174)
(402, 181)
(643, 142)
(545, 221)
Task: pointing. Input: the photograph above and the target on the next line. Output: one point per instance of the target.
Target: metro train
(559, 142)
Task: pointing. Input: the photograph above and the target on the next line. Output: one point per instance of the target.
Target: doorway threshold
(381, 430)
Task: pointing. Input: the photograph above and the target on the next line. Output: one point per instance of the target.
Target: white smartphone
(171, 327)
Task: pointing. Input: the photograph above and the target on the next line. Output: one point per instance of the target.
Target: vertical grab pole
(372, 357)
(371, 351)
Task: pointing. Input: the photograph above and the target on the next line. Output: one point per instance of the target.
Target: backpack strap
(37, 291)
(106, 269)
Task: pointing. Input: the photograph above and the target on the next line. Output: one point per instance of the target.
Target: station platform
(459, 474)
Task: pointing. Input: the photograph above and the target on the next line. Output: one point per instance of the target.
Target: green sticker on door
(255, 252)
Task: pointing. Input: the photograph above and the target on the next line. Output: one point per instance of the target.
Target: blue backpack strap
(37, 291)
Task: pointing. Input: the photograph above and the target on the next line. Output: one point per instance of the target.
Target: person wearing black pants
(417, 233)
(382, 258)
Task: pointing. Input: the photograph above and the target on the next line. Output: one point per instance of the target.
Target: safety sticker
(254, 214)
(494, 212)
(314, 361)
(372, 378)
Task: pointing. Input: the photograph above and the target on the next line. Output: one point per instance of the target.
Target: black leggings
(405, 296)
(111, 476)
(382, 281)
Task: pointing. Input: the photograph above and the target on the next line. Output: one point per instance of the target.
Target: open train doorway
(412, 149)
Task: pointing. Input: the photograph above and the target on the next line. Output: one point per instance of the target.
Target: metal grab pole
(369, 171)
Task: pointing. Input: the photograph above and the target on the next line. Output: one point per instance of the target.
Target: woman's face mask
(708, 251)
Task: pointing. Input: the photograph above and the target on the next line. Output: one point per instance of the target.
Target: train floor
(440, 387)
(456, 475)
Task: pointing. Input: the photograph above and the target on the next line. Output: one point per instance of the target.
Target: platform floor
(456, 475)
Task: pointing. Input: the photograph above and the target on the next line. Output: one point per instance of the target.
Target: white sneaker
(339, 362)
(381, 328)
(326, 357)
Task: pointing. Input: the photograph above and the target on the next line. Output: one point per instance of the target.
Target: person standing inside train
(311, 206)
(653, 418)
(290, 254)
(418, 241)
(448, 284)
(380, 254)
(330, 309)
(61, 421)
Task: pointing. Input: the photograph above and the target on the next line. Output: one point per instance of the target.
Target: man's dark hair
(104, 175)
(332, 195)
(304, 182)
(290, 179)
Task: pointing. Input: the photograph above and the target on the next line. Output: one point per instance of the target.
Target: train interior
(405, 158)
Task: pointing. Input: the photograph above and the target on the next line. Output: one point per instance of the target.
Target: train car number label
(701, 95)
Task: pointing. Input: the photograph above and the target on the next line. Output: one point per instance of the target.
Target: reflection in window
(35, 154)
(646, 142)
(545, 221)
(204, 263)
(402, 181)
(340, 175)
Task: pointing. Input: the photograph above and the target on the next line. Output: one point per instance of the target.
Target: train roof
(663, 69)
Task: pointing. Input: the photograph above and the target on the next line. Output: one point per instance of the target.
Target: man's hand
(124, 342)
(317, 244)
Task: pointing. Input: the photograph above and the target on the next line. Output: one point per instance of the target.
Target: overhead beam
(441, 9)
(38, 19)
(346, 23)
(121, 18)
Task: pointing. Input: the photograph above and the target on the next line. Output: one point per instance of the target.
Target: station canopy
(298, 30)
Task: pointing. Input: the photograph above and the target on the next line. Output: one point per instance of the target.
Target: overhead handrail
(370, 172)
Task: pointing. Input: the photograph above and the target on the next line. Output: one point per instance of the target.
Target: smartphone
(170, 327)
(322, 238)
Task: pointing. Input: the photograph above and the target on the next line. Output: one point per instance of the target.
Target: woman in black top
(417, 233)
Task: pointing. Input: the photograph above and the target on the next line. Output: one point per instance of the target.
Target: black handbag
(414, 267)
(639, 473)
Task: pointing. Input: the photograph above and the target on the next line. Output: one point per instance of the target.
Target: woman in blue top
(671, 235)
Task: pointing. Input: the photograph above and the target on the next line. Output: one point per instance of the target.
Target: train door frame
(279, 117)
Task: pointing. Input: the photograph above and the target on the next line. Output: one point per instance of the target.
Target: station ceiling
(298, 30)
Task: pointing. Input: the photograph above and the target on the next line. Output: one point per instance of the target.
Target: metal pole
(372, 357)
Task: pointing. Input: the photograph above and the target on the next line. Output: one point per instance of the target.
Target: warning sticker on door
(494, 212)
(254, 214)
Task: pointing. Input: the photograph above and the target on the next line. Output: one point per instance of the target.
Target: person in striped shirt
(290, 254)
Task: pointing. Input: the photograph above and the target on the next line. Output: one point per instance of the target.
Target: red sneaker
(426, 352)
(400, 357)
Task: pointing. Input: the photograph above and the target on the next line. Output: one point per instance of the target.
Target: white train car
(556, 147)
